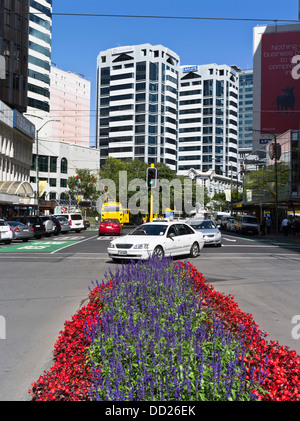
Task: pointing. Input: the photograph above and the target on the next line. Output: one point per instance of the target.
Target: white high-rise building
(39, 63)
(208, 124)
(137, 104)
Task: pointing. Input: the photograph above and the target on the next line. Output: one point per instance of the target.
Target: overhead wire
(135, 16)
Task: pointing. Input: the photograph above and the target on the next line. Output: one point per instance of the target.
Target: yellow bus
(112, 210)
(126, 212)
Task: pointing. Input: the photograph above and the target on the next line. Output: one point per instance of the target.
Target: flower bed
(156, 330)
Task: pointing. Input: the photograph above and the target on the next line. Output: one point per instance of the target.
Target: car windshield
(151, 229)
(109, 221)
(202, 225)
(111, 209)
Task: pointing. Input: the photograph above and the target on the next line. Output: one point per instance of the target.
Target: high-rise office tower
(137, 101)
(39, 60)
(208, 119)
(14, 53)
(245, 111)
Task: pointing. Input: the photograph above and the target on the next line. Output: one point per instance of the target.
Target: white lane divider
(229, 239)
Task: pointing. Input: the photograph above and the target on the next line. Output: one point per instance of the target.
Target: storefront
(271, 180)
(16, 198)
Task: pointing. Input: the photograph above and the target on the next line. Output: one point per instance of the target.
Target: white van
(75, 221)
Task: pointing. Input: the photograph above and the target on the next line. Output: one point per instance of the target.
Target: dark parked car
(36, 221)
(86, 224)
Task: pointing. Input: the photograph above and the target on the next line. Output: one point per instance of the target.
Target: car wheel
(195, 251)
(158, 252)
(25, 240)
(7, 241)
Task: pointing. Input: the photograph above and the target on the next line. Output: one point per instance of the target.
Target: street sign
(264, 141)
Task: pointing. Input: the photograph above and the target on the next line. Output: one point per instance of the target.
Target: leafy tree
(85, 185)
(136, 169)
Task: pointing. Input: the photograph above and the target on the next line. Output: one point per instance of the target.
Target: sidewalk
(291, 238)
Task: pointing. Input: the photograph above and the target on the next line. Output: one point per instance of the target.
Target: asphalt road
(44, 282)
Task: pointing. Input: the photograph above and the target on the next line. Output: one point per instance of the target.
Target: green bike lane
(45, 245)
(39, 246)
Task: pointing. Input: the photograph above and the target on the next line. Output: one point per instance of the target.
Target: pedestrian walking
(285, 226)
(268, 224)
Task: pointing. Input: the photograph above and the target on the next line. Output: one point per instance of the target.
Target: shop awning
(16, 192)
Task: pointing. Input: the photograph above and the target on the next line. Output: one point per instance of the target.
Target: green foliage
(136, 169)
(85, 185)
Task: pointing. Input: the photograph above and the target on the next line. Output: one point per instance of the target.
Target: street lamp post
(276, 178)
(37, 165)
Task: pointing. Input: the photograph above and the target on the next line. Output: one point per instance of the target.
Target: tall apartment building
(208, 120)
(70, 106)
(137, 101)
(39, 63)
(245, 111)
(14, 53)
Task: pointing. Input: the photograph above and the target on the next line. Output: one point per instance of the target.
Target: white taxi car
(157, 238)
(6, 234)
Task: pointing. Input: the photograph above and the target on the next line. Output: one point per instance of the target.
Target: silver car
(211, 234)
(49, 225)
(21, 231)
(64, 224)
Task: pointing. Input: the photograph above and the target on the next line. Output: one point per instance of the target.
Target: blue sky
(77, 40)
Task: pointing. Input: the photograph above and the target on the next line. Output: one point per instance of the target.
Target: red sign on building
(280, 87)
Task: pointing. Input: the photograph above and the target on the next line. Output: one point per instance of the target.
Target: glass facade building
(39, 56)
(14, 53)
(245, 111)
(260, 174)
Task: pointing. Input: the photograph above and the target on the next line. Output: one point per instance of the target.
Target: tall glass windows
(208, 87)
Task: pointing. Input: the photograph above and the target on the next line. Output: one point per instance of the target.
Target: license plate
(123, 252)
(38, 226)
(25, 229)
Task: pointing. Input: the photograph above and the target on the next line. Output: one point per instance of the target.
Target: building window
(63, 182)
(64, 166)
(53, 164)
(43, 163)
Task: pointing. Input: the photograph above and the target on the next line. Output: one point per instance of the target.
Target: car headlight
(112, 245)
(141, 246)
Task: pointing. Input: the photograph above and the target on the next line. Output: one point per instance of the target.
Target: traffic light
(152, 177)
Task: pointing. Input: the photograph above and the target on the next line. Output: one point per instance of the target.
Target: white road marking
(82, 241)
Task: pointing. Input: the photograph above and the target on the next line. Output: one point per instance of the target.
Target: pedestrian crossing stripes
(105, 237)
